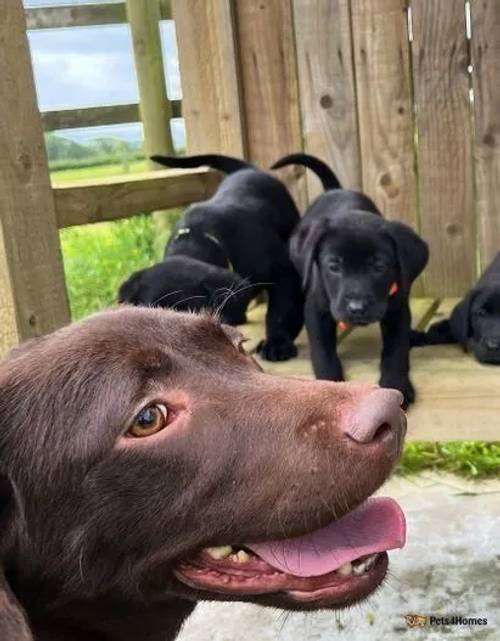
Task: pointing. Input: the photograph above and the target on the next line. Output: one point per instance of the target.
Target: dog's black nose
(357, 307)
(492, 343)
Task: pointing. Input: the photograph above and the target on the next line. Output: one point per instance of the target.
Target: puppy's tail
(226, 164)
(328, 179)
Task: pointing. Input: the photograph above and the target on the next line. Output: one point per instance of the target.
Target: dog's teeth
(345, 570)
(364, 566)
(221, 552)
(243, 556)
(359, 568)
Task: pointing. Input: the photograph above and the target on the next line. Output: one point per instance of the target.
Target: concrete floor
(451, 565)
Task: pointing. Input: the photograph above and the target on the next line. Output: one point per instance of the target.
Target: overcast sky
(93, 66)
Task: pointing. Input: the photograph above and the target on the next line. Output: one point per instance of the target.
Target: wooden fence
(382, 90)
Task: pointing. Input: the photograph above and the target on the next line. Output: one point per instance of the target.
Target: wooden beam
(97, 116)
(485, 50)
(327, 89)
(32, 288)
(83, 15)
(209, 71)
(268, 64)
(444, 124)
(85, 202)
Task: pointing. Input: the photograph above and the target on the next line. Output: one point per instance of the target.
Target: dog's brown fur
(94, 521)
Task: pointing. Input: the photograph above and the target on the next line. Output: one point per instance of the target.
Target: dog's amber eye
(150, 420)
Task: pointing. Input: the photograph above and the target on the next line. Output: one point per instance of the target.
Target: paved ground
(451, 565)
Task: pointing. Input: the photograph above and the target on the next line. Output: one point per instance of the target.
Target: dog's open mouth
(331, 567)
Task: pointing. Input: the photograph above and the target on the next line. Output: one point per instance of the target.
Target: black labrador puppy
(474, 322)
(240, 233)
(356, 268)
(185, 283)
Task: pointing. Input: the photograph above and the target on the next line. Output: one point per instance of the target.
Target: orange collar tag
(342, 326)
(394, 289)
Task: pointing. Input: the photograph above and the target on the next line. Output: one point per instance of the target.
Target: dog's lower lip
(335, 589)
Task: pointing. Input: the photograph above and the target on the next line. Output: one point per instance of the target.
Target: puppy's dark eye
(379, 267)
(480, 312)
(150, 420)
(335, 266)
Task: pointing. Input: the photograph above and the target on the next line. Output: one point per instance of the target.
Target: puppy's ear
(13, 621)
(460, 319)
(412, 251)
(304, 247)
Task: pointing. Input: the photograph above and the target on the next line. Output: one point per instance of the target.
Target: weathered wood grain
(268, 67)
(94, 201)
(32, 290)
(485, 50)
(443, 116)
(383, 83)
(210, 82)
(327, 91)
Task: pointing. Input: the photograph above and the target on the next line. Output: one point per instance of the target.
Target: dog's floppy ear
(304, 247)
(412, 251)
(460, 319)
(13, 621)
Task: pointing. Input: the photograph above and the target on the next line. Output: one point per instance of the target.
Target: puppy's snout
(357, 306)
(378, 416)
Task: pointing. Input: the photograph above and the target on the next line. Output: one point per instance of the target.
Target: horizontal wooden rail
(97, 116)
(89, 15)
(85, 202)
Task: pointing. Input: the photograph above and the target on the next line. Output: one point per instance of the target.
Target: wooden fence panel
(443, 116)
(33, 296)
(486, 82)
(210, 82)
(385, 106)
(327, 92)
(268, 67)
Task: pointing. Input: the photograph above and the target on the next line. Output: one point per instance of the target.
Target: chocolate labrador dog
(474, 322)
(241, 232)
(356, 268)
(149, 464)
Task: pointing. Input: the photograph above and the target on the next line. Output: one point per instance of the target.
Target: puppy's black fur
(474, 322)
(243, 231)
(351, 261)
(185, 283)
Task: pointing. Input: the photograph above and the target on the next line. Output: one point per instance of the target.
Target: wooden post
(156, 111)
(211, 100)
(33, 297)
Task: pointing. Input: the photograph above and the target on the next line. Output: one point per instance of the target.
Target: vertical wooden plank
(210, 83)
(327, 92)
(441, 82)
(266, 46)
(155, 109)
(485, 49)
(33, 295)
(382, 60)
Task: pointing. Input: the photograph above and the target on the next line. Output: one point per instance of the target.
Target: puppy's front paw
(273, 350)
(404, 386)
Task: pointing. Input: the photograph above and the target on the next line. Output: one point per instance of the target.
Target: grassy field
(97, 258)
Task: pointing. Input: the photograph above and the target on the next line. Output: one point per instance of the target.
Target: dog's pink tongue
(376, 526)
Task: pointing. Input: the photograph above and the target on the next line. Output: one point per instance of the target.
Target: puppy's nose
(492, 343)
(377, 415)
(357, 306)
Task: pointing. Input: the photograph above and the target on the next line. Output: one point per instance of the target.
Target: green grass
(98, 258)
(99, 171)
(472, 459)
